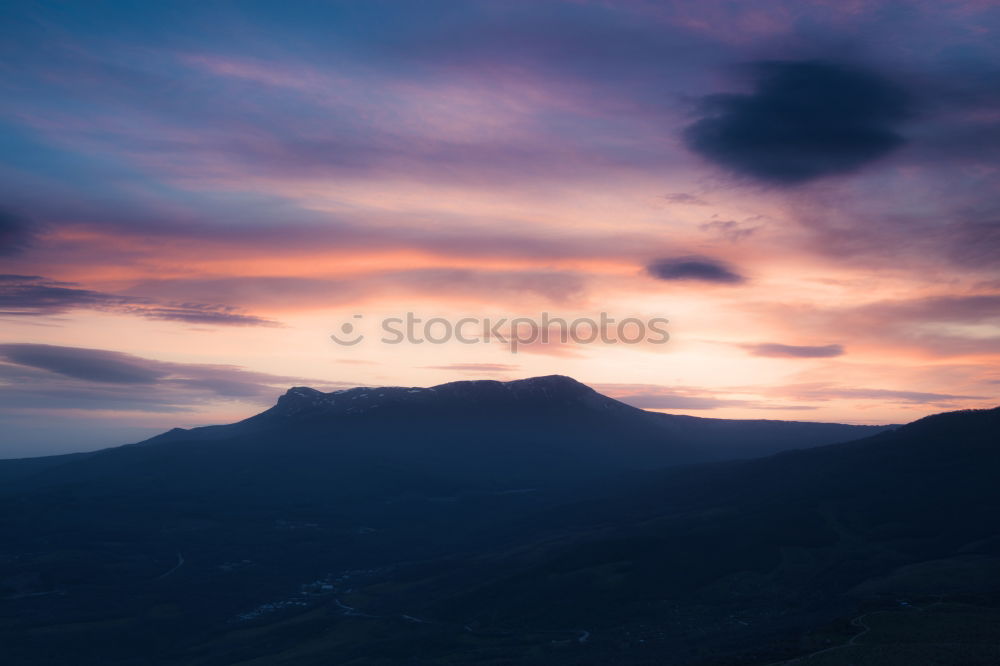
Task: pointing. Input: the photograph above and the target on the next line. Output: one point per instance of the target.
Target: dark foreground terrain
(532, 522)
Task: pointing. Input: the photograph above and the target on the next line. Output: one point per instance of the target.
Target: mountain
(532, 522)
(730, 554)
(463, 435)
(551, 416)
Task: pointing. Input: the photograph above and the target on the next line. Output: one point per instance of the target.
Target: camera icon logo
(347, 329)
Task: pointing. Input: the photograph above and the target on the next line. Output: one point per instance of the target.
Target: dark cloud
(43, 377)
(693, 268)
(199, 313)
(34, 295)
(93, 365)
(803, 120)
(777, 350)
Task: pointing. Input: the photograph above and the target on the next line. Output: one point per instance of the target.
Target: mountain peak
(302, 392)
(303, 399)
(561, 382)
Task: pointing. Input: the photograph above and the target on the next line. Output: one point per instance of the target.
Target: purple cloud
(15, 233)
(93, 365)
(52, 376)
(27, 295)
(693, 268)
(550, 286)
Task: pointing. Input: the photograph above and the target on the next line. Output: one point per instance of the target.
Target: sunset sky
(195, 196)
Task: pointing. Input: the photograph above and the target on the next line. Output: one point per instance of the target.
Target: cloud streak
(820, 393)
(684, 398)
(52, 376)
(490, 286)
(32, 295)
(475, 368)
(778, 350)
(93, 365)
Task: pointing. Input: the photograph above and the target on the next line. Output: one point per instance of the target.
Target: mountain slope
(476, 434)
(751, 549)
(484, 523)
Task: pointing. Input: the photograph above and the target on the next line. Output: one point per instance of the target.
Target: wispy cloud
(475, 368)
(683, 398)
(41, 376)
(819, 393)
(685, 199)
(455, 283)
(778, 350)
(28, 295)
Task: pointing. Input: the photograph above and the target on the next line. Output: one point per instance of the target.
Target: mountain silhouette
(534, 521)
(539, 430)
(743, 553)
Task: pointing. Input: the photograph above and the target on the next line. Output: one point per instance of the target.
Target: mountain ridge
(305, 401)
(486, 523)
(529, 428)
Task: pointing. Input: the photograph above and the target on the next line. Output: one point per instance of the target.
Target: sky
(195, 196)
